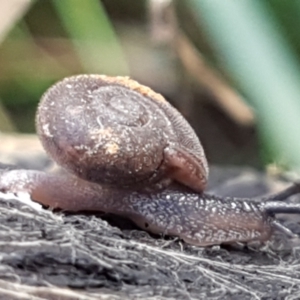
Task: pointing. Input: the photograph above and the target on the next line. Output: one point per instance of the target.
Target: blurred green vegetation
(253, 44)
(55, 39)
(252, 47)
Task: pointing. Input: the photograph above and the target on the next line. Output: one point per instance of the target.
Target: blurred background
(231, 67)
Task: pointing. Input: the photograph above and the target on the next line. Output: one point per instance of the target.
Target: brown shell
(112, 130)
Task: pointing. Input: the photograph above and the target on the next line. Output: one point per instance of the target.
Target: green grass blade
(94, 38)
(251, 47)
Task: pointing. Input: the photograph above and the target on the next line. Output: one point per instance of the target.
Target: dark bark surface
(55, 255)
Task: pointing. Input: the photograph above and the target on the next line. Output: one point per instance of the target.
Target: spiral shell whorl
(102, 130)
(112, 130)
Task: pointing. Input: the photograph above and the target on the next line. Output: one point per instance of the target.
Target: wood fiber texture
(54, 255)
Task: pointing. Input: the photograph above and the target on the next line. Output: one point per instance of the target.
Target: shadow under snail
(129, 152)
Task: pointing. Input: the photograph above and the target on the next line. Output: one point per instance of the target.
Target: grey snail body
(129, 152)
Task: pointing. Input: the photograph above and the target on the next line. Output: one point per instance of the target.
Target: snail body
(129, 152)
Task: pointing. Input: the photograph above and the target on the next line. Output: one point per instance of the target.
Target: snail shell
(114, 131)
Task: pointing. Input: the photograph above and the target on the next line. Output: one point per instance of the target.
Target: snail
(125, 150)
